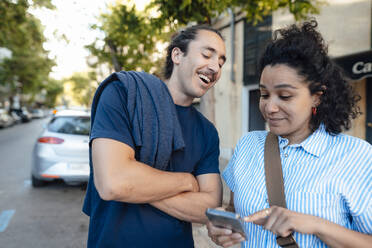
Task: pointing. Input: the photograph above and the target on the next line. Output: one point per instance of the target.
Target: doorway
(256, 121)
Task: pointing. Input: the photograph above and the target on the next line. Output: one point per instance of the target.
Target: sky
(72, 18)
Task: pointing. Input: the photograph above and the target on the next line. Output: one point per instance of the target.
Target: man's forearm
(191, 206)
(188, 206)
(145, 184)
(119, 177)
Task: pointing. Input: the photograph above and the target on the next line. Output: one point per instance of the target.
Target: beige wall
(228, 109)
(344, 24)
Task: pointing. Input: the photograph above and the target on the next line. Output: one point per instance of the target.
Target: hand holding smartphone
(225, 219)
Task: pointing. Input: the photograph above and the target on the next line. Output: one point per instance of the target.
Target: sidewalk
(200, 232)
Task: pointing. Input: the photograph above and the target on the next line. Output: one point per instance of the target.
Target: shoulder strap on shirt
(275, 184)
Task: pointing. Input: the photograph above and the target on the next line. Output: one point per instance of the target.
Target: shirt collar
(315, 144)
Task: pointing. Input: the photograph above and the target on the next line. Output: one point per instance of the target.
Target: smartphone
(225, 219)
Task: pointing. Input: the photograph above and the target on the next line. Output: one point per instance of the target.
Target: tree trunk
(115, 61)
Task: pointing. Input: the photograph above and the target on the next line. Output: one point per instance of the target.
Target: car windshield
(70, 125)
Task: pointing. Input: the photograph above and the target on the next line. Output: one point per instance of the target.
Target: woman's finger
(260, 215)
(270, 222)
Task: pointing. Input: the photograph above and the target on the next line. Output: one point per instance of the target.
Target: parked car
(22, 113)
(6, 120)
(16, 117)
(62, 149)
(37, 113)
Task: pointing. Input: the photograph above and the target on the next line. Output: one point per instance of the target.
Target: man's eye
(285, 97)
(264, 96)
(206, 56)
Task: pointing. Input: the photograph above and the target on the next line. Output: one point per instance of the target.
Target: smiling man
(154, 157)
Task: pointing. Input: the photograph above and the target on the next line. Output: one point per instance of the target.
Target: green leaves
(83, 87)
(130, 40)
(22, 33)
(201, 11)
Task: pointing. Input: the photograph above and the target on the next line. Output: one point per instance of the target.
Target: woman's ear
(316, 98)
(176, 55)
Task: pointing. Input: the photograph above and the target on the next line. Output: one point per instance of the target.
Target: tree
(203, 11)
(82, 87)
(22, 33)
(129, 40)
(52, 88)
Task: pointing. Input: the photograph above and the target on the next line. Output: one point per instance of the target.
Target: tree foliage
(53, 88)
(83, 87)
(27, 70)
(129, 40)
(203, 11)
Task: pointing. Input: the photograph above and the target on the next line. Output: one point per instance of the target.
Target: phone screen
(225, 219)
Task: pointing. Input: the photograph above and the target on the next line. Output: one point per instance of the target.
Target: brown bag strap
(275, 184)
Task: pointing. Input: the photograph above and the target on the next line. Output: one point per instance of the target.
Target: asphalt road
(30, 217)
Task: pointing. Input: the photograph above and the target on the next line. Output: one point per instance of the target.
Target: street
(42, 217)
(29, 217)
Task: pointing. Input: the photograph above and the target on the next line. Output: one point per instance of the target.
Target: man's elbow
(106, 194)
(111, 191)
(106, 191)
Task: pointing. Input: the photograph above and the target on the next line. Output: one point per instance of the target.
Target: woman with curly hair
(307, 103)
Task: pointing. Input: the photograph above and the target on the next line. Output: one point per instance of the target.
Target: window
(70, 125)
(255, 41)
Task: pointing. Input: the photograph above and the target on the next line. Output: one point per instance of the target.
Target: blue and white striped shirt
(326, 176)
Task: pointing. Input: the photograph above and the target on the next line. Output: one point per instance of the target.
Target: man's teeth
(205, 78)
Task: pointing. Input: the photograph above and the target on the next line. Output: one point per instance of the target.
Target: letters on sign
(361, 67)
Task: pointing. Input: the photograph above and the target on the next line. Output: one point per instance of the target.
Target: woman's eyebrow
(280, 86)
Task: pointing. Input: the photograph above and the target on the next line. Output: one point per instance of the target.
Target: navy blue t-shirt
(118, 224)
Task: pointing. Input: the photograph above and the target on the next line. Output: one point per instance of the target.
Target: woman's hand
(223, 236)
(283, 222)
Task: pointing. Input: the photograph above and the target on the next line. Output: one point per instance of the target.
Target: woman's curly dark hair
(302, 48)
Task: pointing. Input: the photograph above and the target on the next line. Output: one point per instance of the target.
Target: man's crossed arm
(118, 176)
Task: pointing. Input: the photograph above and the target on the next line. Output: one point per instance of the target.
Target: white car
(62, 149)
(37, 114)
(6, 120)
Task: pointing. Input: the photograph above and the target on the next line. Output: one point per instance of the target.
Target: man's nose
(214, 66)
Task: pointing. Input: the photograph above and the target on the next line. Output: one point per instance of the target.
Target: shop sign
(356, 66)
